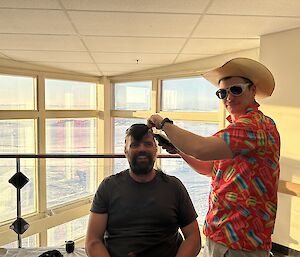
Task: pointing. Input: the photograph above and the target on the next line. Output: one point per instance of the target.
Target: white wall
(281, 53)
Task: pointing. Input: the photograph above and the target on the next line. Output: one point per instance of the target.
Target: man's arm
(202, 167)
(202, 148)
(191, 246)
(94, 245)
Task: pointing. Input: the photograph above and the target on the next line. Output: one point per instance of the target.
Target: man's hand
(169, 149)
(154, 121)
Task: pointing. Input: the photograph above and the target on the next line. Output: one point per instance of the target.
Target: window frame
(207, 117)
(43, 218)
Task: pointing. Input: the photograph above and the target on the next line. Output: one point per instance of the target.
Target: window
(188, 95)
(197, 185)
(27, 242)
(67, 131)
(72, 230)
(69, 179)
(17, 92)
(67, 114)
(193, 95)
(69, 95)
(17, 136)
(133, 95)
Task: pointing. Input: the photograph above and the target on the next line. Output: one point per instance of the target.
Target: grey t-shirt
(143, 218)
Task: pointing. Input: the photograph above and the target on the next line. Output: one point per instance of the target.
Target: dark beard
(139, 168)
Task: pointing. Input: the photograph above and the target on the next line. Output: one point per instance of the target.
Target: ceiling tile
(48, 56)
(218, 46)
(242, 26)
(133, 24)
(112, 73)
(256, 7)
(82, 67)
(40, 42)
(49, 4)
(124, 67)
(187, 6)
(4, 56)
(92, 73)
(190, 57)
(133, 58)
(34, 21)
(134, 44)
(118, 32)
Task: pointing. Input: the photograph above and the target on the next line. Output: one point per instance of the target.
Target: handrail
(286, 187)
(20, 225)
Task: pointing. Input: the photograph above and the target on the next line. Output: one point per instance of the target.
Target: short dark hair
(229, 77)
(138, 131)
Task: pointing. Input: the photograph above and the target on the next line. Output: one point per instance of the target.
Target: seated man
(138, 211)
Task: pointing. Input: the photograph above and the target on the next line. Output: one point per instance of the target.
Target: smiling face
(237, 105)
(141, 154)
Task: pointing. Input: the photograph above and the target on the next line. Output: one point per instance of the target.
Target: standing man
(137, 212)
(242, 159)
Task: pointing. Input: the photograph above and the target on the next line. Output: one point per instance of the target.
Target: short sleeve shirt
(143, 218)
(243, 198)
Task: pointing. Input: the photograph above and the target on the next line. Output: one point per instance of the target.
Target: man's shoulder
(116, 177)
(169, 178)
(254, 118)
(163, 175)
(261, 121)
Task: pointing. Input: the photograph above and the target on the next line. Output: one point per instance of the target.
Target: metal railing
(19, 180)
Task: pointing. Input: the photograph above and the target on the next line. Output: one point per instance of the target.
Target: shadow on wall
(290, 169)
(287, 226)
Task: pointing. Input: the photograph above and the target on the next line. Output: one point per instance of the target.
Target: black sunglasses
(235, 90)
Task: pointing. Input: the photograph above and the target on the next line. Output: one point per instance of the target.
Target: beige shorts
(213, 249)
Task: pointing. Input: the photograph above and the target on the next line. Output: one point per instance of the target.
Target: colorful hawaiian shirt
(243, 198)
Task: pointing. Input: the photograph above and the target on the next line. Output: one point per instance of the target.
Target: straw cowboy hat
(259, 74)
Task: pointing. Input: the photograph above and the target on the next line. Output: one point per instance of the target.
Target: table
(35, 252)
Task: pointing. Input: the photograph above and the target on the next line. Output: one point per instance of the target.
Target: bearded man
(138, 212)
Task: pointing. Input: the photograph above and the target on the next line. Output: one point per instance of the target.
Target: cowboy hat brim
(259, 74)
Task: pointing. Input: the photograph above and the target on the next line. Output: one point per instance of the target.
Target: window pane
(69, 179)
(196, 184)
(8, 197)
(120, 126)
(70, 95)
(72, 230)
(17, 92)
(189, 95)
(71, 135)
(133, 95)
(17, 136)
(28, 242)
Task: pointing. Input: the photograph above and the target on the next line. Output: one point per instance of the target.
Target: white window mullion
(41, 149)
